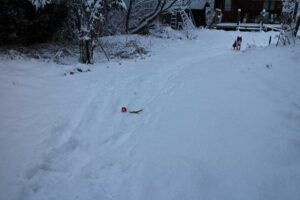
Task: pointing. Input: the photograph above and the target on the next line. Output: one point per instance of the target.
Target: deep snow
(217, 124)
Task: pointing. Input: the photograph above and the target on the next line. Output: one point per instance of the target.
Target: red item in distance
(124, 109)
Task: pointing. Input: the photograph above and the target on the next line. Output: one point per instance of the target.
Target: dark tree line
(22, 23)
(25, 22)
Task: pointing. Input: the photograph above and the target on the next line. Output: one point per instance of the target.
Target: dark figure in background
(237, 43)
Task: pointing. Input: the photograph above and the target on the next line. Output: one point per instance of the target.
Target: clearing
(216, 123)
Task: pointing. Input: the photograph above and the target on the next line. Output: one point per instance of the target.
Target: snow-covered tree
(88, 16)
(141, 13)
(89, 19)
(40, 3)
(85, 21)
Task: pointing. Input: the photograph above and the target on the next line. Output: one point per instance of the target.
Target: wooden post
(239, 18)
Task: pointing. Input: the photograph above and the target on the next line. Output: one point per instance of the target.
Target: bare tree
(141, 13)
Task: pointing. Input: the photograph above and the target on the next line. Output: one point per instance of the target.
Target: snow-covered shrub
(62, 55)
(126, 50)
(169, 33)
(47, 52)
(13, 54)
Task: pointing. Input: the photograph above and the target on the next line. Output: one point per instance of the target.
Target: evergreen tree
(23, 23)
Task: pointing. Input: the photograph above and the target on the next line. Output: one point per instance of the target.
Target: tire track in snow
(72, 137)
(68, 148)
(91, 134)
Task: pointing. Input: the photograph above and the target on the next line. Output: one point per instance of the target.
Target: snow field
(217, 124)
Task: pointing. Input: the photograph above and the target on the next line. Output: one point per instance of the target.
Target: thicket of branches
(27, 22)
(142, 13)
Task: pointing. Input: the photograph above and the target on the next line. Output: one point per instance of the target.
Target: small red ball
(124, 109)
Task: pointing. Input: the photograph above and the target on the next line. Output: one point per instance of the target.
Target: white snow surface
(216, 124)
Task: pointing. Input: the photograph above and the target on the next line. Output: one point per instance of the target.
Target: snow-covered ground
(216, 124)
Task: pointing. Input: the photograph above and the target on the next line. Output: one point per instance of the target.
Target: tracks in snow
(90, 143)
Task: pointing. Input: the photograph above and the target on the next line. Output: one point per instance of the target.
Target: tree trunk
(297, 26)
(128, 16)
(86, 51)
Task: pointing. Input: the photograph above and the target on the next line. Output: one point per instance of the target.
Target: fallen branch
(136, 111)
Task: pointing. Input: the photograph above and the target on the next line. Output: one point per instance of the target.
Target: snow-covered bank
(217, 124)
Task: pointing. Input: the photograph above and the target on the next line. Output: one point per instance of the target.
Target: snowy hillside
(216, 124)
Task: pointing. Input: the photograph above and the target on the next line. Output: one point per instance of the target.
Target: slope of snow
(216, 124)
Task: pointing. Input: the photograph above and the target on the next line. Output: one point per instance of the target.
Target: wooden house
(197, 8)
(249, 11)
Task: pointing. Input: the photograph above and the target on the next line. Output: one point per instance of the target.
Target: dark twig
(136, 111)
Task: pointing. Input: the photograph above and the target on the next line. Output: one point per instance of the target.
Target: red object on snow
(124, 109)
